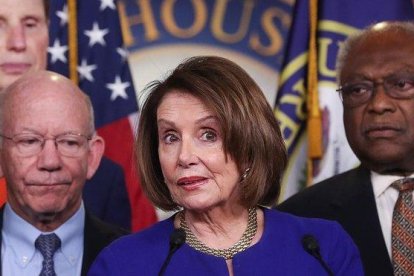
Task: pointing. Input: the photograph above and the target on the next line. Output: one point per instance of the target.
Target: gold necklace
(227, 253)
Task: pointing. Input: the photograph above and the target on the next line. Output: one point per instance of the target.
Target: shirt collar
(381, 182)
(22, 235)
(71, 235)
(19, 236)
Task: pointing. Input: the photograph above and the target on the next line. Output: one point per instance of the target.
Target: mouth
(49, 189)
(47, 185)
(15, 68)
(191, 183)
(48, 182)
(382, 131)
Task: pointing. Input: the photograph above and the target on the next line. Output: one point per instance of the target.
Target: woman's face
(191, 154)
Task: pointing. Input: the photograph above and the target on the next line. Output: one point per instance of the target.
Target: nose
(49, 158)
(187, 154)
(380, 102)
(16, 38)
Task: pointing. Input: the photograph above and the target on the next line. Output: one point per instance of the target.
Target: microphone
(177, 238)
(310, 244)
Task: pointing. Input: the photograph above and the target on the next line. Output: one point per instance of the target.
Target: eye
(209, 135)
(170, 138)
(30, 23)
(402, 84)
(357, 89)
(28, 141)
(69, 142)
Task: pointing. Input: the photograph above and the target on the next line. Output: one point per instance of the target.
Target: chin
(380, 152)
(393, 157)
(48, 208)
(46, 217)
(388, 164)
(192, 206)
(200, 206)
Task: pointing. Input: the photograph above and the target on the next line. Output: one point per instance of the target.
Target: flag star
(85, 70)
(96, 35)
(107, 4)
(57, 52)
(122, 52)
(63, 15)
(118, 88)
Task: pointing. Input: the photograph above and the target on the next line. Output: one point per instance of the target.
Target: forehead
(21, 9)
(46, 106)
(178, 98)
(178, 104)
(380, 54)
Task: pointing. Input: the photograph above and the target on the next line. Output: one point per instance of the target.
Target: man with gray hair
(48, 149)
(373, 202)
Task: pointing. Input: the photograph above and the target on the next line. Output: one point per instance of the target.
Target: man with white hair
(48, 149)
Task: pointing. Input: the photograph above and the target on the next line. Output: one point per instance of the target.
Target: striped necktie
(403, 228)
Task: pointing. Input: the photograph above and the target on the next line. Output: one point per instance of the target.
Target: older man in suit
(23, 47)
(48, 149)
(376, 76)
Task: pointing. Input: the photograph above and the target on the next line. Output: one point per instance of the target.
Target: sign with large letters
(165, 32)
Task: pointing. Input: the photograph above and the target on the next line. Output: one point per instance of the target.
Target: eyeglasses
(398, 86)
(67, 144)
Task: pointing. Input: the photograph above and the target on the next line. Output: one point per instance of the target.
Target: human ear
(96, 150)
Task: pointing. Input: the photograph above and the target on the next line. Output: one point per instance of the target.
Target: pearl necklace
(227, 253)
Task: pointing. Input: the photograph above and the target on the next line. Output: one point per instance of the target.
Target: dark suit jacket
(105, 195)
(97, 235)
(349, 199)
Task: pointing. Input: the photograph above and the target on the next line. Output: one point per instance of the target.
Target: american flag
(103, 74)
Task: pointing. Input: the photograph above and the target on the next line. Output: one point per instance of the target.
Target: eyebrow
(31, 17)
(29, 130)
(35, 16)
(199, 121)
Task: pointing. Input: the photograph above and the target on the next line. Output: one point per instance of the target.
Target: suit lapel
(97, 235)
(92, 243)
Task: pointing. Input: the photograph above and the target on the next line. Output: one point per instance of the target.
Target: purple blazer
(279, 252)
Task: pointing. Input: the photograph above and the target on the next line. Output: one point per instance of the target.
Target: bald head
(48, 149)
(45, 88)
(381, 33)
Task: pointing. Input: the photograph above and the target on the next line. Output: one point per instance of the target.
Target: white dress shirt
(385, 198)
(19, 255)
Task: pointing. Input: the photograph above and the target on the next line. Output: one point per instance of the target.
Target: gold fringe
(314, 123)
(127, 36)
(73, 41)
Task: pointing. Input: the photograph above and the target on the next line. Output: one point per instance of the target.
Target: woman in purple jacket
(209, 146)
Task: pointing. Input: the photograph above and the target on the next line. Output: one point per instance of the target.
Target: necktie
(403, 228)
(47, 245)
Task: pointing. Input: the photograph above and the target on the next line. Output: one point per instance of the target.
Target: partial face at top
(381, 130)
(46, 185)
(191, 154)
(23, 39)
